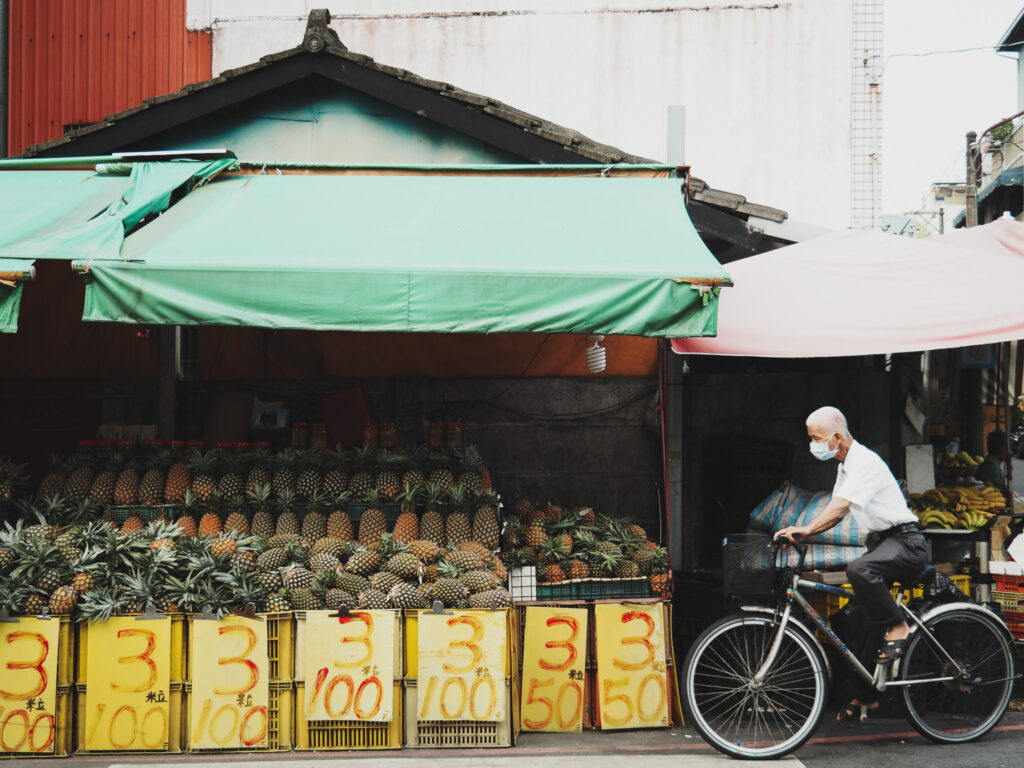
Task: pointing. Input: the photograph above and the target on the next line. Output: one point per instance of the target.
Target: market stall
(273, 566)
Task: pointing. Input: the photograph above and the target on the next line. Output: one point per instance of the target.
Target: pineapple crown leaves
(11, 534)
(141, 587)
(554, 551)
(99, 605)
(469, 459)
(605, 562)
(203, 463)
(160, 529)
(260, 495)
(449, 570)
(35, 556)
(433, 491)
(457, 493)
(390, 546)
(409, 496)
(287, 500)
(372, 499)
(13, 594)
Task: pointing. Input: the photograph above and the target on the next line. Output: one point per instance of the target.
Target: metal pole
(4, 59)
(942, 221)
(971, 192)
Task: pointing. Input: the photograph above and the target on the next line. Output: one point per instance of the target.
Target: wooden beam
(715, 223)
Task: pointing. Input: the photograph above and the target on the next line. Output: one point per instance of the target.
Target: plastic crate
(300, 639)
(611, 589)
(147, 513)
(456, 734)
(346, 734)
(1005, 583)
(563, 590)
(412, 648)
(390, 510)
(175, 723)
(179, 650)
(62, 736)
(522, 584)
(280, 721)
(281, 646)
(1010, 602)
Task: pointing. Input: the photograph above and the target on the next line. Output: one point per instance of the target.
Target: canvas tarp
(421, 253)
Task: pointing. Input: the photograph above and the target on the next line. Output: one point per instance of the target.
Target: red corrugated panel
(77, 61)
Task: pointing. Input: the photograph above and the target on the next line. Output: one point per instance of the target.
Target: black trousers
(899, 557)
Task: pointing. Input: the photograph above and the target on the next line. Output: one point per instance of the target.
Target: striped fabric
(790, 505)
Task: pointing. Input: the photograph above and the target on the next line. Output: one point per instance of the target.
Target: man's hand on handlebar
(792, 534)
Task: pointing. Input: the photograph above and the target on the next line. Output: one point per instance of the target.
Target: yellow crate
(454, 734)
(300, 641)
(281, 645)
(62, 735)
(280, 721)
(412, 648)
(175, 722)
(826, 603)
(345, 734)
(179, 650)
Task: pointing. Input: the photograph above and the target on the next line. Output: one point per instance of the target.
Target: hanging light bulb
(597, 356)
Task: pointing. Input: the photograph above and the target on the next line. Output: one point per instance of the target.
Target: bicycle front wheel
(968, 695)
(734, 713)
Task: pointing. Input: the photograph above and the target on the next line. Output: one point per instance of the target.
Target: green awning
(418, 253)
(59, 214)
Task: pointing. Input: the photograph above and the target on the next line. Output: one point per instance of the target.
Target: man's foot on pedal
(851, 713)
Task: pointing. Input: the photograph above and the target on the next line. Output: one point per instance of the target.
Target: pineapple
(449, 588)
(362, 482)
(324, 561)
(284, 475)
(132, 523)
(578, 569)
(101, 492)
(432, 524)
(177, 483)
(328, 546)
(372, 524)
(387, 483)
(480, 580)
(303, 599)
(490, 599)
(335, 598)
(424, 549)
(352, 583)
(372, 599)
(441, 474)
(335, 478)
(187, 519)
(407, 527)
(151, 486)
(404, 565)
(259, 474)
(222, 545)
(287, 521)
(55, 480)
(231, 486)
(660, 579)
(363, 562)
(277, 602)
(83, 581)
(486, 529)
(413, 476)
(314, 526)
(296, 577)
(210, 524)
(384, 581)
(457, 528)
(35, 605)
(272, 559)
(535, 536)
(126, 489)
(586, 515)
(552, 574)
(79, 481)
(339, 525)
(553, 555)
(203, 467)
(262, 521)
(470, 466)
(270, 581)
(463, 560)
(63, 600)
(309, 482)
(404, 595)
(237, 521)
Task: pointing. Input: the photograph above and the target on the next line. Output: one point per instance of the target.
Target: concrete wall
(748, 74)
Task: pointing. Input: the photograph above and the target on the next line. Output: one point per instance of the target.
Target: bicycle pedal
(863, 713)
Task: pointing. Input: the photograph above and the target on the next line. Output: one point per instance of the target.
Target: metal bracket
(207, 614)
(344, 612)
(150, 614)
(247, 612)
(6, 618)
(45, 615)
(437, 609)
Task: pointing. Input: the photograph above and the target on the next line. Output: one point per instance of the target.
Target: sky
(930, 102)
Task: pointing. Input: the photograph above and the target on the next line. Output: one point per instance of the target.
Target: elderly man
(897, 551)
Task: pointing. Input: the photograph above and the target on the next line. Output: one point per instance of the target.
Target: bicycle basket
(749, 563)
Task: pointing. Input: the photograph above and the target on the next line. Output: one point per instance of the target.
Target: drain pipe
(4, 58)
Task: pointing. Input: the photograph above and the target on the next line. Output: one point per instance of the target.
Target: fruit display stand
(137, 705)
(362, 653)
(37, 656)
(447, 712)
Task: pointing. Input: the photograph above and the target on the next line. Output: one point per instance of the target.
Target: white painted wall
(766, 84)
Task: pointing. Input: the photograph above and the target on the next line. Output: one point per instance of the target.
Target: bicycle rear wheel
(738, 717)
(970, 705)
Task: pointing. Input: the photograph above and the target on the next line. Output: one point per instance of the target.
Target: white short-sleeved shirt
(876, 501)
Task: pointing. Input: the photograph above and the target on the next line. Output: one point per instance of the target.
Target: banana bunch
(963, 460)
(958, 507)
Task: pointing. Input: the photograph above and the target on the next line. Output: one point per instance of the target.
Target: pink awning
(864, 293)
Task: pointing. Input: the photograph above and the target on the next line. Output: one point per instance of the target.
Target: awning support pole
(673, 405)
(167, 406)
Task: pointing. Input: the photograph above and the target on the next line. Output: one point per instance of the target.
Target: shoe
(890, 651)
(849, 714)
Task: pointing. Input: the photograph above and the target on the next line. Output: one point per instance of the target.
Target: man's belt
(896, 529)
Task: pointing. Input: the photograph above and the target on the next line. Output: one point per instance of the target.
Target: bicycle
(755, 683)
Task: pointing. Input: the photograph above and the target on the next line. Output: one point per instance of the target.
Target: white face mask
(822, 452)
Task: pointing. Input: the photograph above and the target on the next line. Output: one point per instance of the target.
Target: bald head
(828, 420)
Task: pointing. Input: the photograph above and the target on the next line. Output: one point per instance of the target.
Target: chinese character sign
(28, 685)
(462, 666)
(230, 694)
(350, 666)
(632, 678)
(554, 661)
(127, 693)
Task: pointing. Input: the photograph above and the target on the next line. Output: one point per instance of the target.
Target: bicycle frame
(880, 678)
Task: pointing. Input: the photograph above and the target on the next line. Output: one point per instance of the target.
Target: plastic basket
(300, 640)
(1005, 583)
(62, 732)
(563, 590)
(345, 734)
(749, 562)
(280, 646)
(280, 721)
(147, 513)
(1010, 602)
(522, 584)
(610, 589)
(454, 734)
(179, 650)
(175, 723)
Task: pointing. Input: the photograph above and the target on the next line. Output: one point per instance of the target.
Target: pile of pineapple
(289, 543)
(571, 544)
